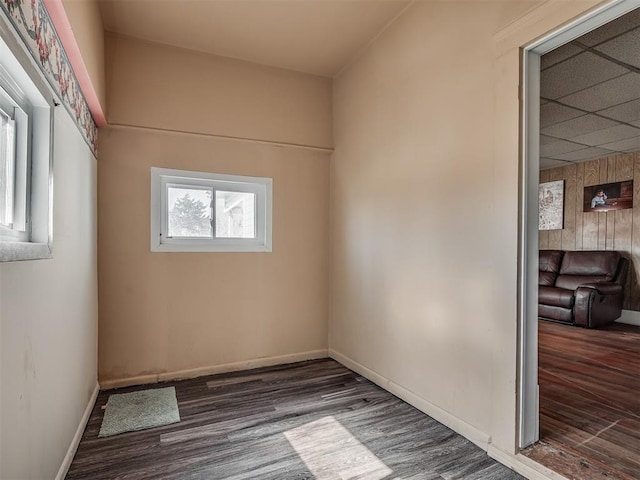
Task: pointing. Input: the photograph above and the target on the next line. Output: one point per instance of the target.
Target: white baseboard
(73, 447)
(481, 439)
(213, 369)
(523, 465)
(630, 317)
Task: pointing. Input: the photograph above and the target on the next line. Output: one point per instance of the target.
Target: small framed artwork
(608, 196)
(551, 205)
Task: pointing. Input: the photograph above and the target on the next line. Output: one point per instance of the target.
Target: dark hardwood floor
(311, 420)
(589, 401)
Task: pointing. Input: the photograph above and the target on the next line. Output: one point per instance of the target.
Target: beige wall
(86, 22)
(424, 208)
(171, 88)
(49, 319)
(169, 312)
(616, 230)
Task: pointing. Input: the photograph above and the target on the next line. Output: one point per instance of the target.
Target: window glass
(7, 169)
(189, 210)
(235, 214)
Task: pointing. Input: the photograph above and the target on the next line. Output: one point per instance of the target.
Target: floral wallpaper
(32, 22)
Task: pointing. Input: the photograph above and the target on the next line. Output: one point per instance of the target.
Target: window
(25, 162)
(208, 212)
(14, 128)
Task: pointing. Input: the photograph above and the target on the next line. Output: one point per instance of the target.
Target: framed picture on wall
(608, 196)
(551, 205)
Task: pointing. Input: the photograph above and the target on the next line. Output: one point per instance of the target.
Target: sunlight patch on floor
(331, 452)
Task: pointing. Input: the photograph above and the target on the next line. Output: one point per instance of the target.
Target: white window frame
(31, 235)
(17, 109)
(163, 178)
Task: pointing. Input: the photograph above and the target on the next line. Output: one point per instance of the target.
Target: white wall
(166, 315)
(424, 210)
(159, 86)
(48, 315)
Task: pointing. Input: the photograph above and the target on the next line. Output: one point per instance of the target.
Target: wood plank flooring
(589, 401)
(311, 420)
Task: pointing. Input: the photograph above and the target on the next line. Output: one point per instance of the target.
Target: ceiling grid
(590, 95)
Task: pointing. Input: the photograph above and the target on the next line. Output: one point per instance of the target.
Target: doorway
(529, 408)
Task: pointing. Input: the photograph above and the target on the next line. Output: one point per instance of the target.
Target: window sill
(164, 247)
(20, 251)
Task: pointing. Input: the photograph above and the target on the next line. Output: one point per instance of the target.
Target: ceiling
(590, 87)
(316, 37)
(590, 95)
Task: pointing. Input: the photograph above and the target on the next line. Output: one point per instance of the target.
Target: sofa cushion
(558, 297)
(559, 314)
(571, 282)
(591, 264)
(549, 266)
(546, 278)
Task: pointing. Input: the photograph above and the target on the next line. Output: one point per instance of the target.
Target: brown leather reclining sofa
(581, 288)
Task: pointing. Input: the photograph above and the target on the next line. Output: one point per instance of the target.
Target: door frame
(528, 394)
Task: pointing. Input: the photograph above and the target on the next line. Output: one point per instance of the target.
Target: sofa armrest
(605, 288)
(597, 304)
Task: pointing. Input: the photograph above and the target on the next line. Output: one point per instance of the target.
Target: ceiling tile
(576, 74)
(578, 126)
(626, 112)
(559, 54)
(628, 145)
(551, 113)
(613, 92)
(546, 163)
(608, 135)
(611, 29)
(558, 148)
(625, 48)
(544, 140)
(585, 154)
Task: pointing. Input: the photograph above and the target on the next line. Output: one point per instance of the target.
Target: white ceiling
(311, 36)
(590, 95)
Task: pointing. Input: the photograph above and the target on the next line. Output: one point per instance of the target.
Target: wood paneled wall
(617, 230)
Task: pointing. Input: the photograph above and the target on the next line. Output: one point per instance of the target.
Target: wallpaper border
(33, 25)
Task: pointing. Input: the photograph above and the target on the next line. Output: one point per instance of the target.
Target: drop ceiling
(316, 37)
(590, 95)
